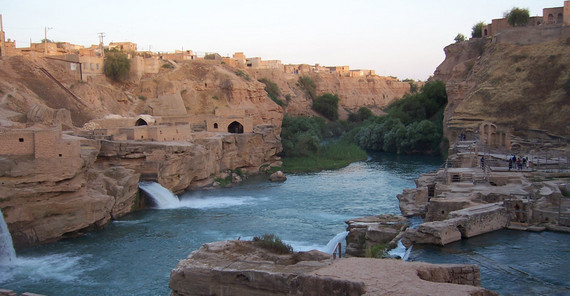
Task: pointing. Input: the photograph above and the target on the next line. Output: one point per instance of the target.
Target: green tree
(117, 65)
(308, 86)
(477, 30)
(327, 105)
(517, 17)
(459, 38)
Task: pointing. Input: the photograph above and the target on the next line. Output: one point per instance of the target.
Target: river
(134, 255)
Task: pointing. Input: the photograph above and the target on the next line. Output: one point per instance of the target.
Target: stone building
(38, 143)
(123, 46)
(230, 121)
(555, 16)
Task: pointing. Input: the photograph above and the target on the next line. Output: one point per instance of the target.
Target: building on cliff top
(555, 16)
(38, 143)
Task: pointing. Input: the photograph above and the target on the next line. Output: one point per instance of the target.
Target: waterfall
(162, 197)
(400, 251)
(339, 238)
(7, 252)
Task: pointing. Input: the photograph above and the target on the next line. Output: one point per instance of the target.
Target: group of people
(518, 162)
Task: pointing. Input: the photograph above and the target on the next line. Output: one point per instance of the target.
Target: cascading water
(331, 245)
(7, 252)
(163, 198)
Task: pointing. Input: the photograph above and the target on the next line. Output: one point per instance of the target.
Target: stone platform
(240, 268)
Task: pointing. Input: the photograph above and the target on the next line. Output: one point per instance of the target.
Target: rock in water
(278, 176)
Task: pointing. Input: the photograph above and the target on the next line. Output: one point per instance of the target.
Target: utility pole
(101, 47)
(45, 40)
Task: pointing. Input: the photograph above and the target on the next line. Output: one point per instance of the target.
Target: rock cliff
(520, 88)
(374, 92)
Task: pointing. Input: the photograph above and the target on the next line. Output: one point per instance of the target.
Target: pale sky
(402, 38)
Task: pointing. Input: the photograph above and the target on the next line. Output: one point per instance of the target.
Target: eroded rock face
(367, 232)
(46, 199)
(414, 201)
(240, 268)
(483, 79)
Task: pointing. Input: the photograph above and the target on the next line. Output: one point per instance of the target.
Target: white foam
(215, 202)
(401, 251)
(7, 252)
(163, 198)
(331, 245)
(60, 267)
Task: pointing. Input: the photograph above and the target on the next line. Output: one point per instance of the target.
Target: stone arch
(215, 125)
(559, 18)
(141, 122)
(550, 18)
(235, 128)
(485, 32)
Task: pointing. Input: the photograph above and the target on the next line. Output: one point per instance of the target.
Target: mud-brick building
(230, 121)
(38, 143)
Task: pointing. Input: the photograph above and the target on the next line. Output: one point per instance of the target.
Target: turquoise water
(134, 255)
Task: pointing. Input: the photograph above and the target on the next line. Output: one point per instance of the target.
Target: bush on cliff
(273, 91)
(308, 86)
(272, 243)
(327, 105)
(517, 17)
(477, 30)
(117, 65)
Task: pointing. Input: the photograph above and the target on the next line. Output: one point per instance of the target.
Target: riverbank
(332, 156)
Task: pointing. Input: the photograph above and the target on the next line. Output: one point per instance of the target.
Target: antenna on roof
(101, 46)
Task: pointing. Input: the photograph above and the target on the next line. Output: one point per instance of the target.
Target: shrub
(362, 114)
(273, 91)
(477, 30)
(308, 86)
(327, 105)
(142, 98)
(117, 65)
(167, 66)
(459, 38)
(245, 76)
(517, 16)
(272, 243)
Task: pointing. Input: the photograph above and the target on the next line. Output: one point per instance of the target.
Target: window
(215, 125)
(60, 155)
(21, 140)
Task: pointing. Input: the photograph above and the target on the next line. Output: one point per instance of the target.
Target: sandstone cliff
(520, 88)
(373, 92)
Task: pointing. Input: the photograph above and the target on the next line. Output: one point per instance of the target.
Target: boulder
(278, 176)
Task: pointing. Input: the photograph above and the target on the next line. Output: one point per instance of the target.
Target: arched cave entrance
(235, 128)
(140, 122)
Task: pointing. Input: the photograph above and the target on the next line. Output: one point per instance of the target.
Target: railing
(339, 248)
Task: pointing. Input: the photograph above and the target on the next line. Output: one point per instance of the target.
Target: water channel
(134, 255)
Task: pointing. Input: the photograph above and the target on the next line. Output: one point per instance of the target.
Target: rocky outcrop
(240, 268)
(366, 233)
(278, 176)
(414, 201)
(501, 83)
(463, 223)
(374, 92)
(46, 199)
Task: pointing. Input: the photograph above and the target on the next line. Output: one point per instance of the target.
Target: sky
(402, 38)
